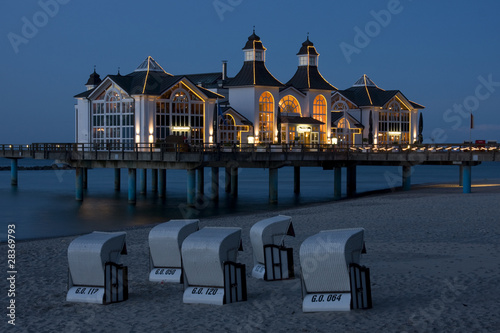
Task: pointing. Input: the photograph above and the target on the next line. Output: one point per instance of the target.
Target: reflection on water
(43, 204)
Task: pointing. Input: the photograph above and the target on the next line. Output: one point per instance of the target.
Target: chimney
(224, 69)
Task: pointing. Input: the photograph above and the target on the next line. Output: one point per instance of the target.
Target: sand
(433, 254)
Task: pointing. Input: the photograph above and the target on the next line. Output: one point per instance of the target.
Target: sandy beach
(433, 254)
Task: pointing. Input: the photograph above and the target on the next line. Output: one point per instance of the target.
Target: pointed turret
(149, 65)
(307, 75)
(93, 81)
(254, 71)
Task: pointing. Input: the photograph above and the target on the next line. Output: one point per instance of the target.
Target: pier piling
(79, 184)
(154, 180)
(215, 183)
(467, 182)
(117, 179)
(296, 180)
(13, 172)
(351, 180)
(143, 180)
(132, 183)
(234, 182)
(200, 186)
(191, 187)
(407, 170)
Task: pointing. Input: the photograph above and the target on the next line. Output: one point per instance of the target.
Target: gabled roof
(84, 94)
(337, 115)
(308, 77)
(254, 73)
(365, 92)
(284, 89)
(229, 109)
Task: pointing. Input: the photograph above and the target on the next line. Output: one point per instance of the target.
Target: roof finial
(94, 68)
(119, 71)
(254, 29)
(307, 36)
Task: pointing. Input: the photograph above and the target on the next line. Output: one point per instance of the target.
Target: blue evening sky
(442, 54)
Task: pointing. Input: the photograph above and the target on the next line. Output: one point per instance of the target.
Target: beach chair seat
(272, 260)
(326, 259)
(95, 272)
(211, 273)
(165, 241)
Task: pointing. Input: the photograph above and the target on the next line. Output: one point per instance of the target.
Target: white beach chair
(326, 260)
(95, 272)
(165, 241)
(212, 275)
(272, 260)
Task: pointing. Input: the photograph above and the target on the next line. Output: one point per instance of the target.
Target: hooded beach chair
(95, 272)
(272, 260)
(211, 273)
(165, 241)
(332, 279)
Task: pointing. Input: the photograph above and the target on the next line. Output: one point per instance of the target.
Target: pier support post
(117, 179)
(467, 181)
(85, 172)
(79, 184)
(162, 183)
(234, 181)
(215, 184)
(154, 180)
(191, 187)
(227, 177)
(337, 183)
(13, 172)
(296, 180)
(406, 177)
(143, 180)
(461, 176)
(273, 185)
(200, 185)
(351, 180)
(132, 183)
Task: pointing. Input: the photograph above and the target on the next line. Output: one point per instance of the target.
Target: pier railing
(176, 152)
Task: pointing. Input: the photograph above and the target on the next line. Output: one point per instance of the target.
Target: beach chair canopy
(87, 255)
(205, 251)
(325, 259)
(165, 241)
(271, 231)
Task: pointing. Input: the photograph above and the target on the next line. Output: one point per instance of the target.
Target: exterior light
(181, 128)
(251, 139)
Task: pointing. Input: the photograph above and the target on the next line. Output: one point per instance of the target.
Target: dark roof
(254, 40)
(308, 48)
(416, 105)
(84, 94)
(209, 80)
(94, 79)
(254, 73)
(365, 92)
(336, 115)
(308, 77)
(244, 120)
(300, 120)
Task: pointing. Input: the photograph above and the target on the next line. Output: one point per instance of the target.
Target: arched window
(289, 104)
(266, 117)
(319, 113)
(179, 112)
(228, 130)
(340, 106)
(113, 120)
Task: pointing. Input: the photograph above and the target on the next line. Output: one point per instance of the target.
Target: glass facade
(266, 117)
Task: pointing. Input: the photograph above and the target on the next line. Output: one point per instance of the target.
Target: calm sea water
(43, 204)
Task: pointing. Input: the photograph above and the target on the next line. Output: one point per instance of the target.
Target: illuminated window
(266, 117)
(394, 124)
(113, 117)
(290, 105)
(228, 132)
(340, 106)
(320, 113)
(180, 112)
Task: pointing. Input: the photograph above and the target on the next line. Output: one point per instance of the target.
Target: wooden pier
(161, 157)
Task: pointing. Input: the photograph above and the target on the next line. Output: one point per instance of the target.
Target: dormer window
(312, 61)
(249, 55)
(302, 60)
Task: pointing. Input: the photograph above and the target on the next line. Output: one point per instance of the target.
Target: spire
(94, 80)
(364, 81)
(254, 42)
(149, 65)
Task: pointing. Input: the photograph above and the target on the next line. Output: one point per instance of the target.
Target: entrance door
(314, 138)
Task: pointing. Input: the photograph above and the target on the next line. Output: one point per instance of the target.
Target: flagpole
(471, 126)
